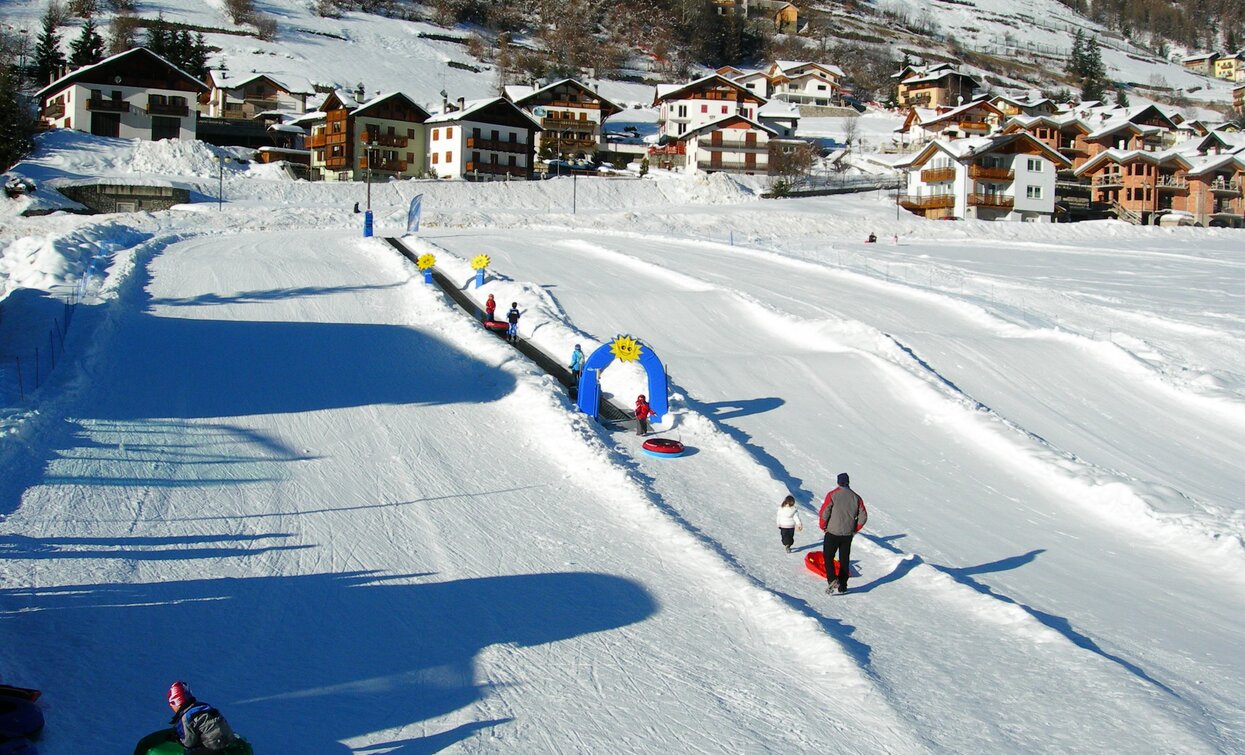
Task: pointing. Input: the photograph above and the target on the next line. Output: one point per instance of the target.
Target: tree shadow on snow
(327, 657)
(19, 547)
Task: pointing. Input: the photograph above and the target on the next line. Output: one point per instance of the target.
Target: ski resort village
(385, 377)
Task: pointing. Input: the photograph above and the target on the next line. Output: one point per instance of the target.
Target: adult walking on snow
(842, 513)
(512, 317)
(788, 522)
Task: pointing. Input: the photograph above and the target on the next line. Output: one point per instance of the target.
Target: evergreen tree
(88, 48)
(49, 59)
(196, 58)
(1121, 98)
(1075, 66)
(1093, 73)
(17, 126)
(160, 37)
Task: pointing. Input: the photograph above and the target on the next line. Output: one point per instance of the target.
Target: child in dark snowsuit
(512, 317)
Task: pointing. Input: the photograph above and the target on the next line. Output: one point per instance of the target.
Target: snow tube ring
(19, 718)
(663, 447)
(496, 324)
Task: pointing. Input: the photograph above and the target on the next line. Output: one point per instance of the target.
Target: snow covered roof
(225, 79)
(85, 73)
(974, 146)
(720, 122)
(375, 101)
(779, 110)
(520, 101)
(474, 107)
(788, 67)
(669, 91)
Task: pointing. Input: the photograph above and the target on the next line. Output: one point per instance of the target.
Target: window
(1035, 165)
(495, 136)
(165, 128)
(449, 157)
(704, 108)
(410, 133)
(435, 157)
(436, 134)
(410, 157)
(724, 110)
(1033, 192)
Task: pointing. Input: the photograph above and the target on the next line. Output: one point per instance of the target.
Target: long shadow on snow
(328, 656)
(14, 547)
(174, 372)
(271, 294)
(724, 410)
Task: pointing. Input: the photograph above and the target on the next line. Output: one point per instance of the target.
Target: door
(105, 124)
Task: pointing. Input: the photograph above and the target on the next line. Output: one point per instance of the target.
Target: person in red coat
(642, 413)
(841, 515)
(490, 308)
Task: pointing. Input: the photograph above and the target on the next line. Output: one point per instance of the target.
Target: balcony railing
(730, 165)
(933, 175)
(730, 146)
(556, 122)
(496, 170)
(55, 110)
(1171, 183)
(315, 140)
(991, 200)
(929, 202)
(991, 172)
(383, 140)
(1108, 179)
(165, 108)
(974, 126)
(336, 163)
(101, 105)
(387, 166)
(497, 145)
(1073, 148)
(1225, 187)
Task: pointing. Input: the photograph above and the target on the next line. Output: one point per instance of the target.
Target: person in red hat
(199, 727)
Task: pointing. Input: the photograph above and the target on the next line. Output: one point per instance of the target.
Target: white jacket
(789, 516)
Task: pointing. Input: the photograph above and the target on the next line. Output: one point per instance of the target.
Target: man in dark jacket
(841, 515)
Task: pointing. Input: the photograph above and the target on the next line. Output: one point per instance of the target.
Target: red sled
(24, 693)
(816, 563)
(501, 325)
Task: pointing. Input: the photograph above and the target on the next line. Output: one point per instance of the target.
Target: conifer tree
(49, 59)
(88, 48)
(1076, 60)
(1093, 74)
(17, 126)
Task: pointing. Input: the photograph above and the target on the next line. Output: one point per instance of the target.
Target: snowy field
(273, 462)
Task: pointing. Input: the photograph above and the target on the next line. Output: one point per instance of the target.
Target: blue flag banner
(412, 215)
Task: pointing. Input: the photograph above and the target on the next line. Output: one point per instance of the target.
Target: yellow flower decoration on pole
(480, 261)
(426, 261)
(625, 349)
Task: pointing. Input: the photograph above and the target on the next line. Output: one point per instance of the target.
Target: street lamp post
(367, 216)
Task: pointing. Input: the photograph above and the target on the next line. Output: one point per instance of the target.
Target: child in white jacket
(788, 522)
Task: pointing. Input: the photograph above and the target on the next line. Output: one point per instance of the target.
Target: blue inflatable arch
(589, 396)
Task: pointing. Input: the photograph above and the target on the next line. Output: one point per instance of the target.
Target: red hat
(179, 695)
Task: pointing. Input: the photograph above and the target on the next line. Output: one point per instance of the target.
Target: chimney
(445, 102)
(462, 103)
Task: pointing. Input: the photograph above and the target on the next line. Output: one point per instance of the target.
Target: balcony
(383, 140)
(384, 166)
(933, 175)
(315, 141)
(1172, 183)
(1108, 180)
(167, 108)
(496, 170)
(991, 200)
(732, 146)
(496, 145)
(996, 173)
(974, 126)
(53, 111)
(1073, 148)
(101, 105)
(731, 165)
(1225, 187)
(931, 202)
(336, 163)
(554, 122)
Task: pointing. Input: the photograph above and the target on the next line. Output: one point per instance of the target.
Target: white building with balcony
(135, 94)
(1005, 177)
(252, 95)
(684, 107)
(571, 114)
(482, 140)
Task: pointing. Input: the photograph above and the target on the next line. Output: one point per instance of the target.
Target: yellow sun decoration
(426, 261)
(480, 261)
(625, 349)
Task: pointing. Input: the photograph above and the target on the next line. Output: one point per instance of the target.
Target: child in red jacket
(642, 413)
